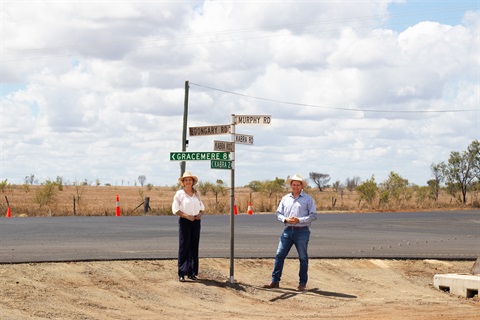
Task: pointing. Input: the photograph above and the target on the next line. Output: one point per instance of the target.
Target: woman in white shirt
(189, 207)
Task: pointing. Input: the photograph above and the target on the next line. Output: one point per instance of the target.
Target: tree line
(458, 175)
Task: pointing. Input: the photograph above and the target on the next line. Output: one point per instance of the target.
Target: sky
(95, 90)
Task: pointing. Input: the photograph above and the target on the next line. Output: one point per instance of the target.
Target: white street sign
(243, 139)
(223, 146)
(253, 119)
(209, 130)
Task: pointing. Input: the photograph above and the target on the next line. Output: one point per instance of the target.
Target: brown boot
(272, 285)
(301, 287)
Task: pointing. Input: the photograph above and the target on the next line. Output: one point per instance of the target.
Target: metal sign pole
(232, 204)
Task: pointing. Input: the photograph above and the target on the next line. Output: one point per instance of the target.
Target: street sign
(220, 164)
(253, 119)
(243, 139)
(187, 156)
(209, 130)
(223, 146)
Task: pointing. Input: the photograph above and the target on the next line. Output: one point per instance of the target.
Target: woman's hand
(186, 216)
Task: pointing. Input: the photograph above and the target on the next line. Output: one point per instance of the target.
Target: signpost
(224, 159)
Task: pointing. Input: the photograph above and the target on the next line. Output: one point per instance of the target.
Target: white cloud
(101, 89)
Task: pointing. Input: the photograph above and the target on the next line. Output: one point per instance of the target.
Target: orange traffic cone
(117, 209)
(249, 210)
(9, 213)
(235, 210)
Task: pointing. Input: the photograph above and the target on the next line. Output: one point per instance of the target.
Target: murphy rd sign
(188, 156)
(253, 119)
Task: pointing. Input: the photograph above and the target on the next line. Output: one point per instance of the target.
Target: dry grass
(101, 201)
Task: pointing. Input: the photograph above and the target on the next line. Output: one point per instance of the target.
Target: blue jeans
(299, 238)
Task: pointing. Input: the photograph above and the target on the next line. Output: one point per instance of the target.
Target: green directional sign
(221, 164)
(189, 156)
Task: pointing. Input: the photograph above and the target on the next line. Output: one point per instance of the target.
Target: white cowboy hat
(296, 177)
(187, 174)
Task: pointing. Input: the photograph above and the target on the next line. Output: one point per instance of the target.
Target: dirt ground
(337, 289)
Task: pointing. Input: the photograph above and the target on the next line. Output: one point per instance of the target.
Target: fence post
(146, 204)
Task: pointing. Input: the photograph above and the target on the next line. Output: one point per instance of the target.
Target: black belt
(293, 227)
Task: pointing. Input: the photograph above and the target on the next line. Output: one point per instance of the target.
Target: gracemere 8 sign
(189, 156)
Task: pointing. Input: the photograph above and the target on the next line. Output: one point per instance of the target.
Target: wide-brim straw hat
(296, 177)
(188, 174)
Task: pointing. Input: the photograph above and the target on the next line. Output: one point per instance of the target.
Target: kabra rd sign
(253, 119)
(186, 156)
(223, 146)
(209, 130)
(243, 138)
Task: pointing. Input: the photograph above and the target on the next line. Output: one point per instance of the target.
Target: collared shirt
(190, 205)
(302, 207)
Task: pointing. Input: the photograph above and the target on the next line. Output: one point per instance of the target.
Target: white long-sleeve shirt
(191, 205)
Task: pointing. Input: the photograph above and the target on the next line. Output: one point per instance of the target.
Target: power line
(333, 108)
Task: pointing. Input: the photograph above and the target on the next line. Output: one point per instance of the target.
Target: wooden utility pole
(184, 134)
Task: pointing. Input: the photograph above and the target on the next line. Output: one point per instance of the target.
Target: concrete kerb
(464, 285)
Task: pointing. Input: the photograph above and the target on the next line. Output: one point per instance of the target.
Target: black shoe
(181, 279)
(193, 277)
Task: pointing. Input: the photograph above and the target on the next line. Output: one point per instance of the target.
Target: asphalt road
(451, 235)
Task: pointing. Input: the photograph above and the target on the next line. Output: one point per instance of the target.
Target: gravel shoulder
(337, 289)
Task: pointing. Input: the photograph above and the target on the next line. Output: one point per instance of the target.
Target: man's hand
(292, 220)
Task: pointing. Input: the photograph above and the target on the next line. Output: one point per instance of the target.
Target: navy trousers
(189, 241)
